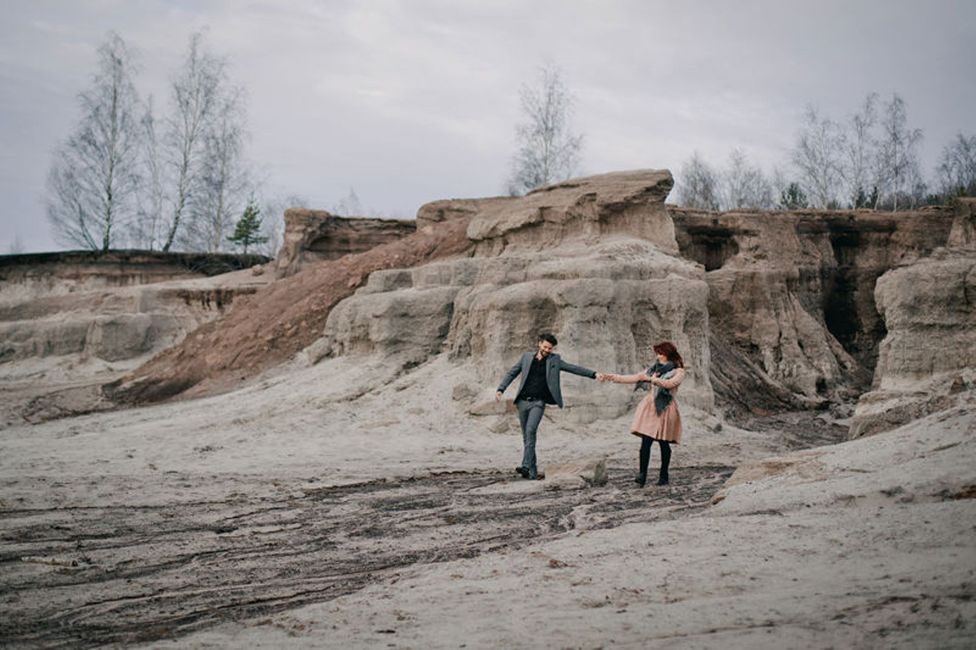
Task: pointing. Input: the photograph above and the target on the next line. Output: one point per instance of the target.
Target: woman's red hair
(668, 350)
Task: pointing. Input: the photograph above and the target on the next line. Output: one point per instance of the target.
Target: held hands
(621, 379)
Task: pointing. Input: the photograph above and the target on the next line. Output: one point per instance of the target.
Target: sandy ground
(345, 505)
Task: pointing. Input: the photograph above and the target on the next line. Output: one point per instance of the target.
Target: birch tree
(698, 185)
(817, 158)
(860, 153)
(548, 150)
(956, 172)
(744, 186)
(146, 229)
(223, 183)
(897, 162)
(349, 206)
(95, 177)
(196, 90)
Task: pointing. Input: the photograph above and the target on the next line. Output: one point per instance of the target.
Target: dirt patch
(264, 329)
(90, 576)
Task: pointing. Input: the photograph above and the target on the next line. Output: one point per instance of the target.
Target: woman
(657, 416)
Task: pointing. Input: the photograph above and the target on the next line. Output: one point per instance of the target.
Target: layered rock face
(23, 278)
(928, 357)
(111, 306)
(592, 260)
(791, 296)
(628, 203)
(315, 235)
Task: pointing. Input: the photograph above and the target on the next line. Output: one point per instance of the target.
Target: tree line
(870, 160)
(130, 176)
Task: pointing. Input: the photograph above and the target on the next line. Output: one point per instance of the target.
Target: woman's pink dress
(667, 425)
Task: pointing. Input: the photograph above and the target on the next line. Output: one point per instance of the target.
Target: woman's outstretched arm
(629, 379)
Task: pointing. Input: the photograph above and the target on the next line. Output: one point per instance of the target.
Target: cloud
(414, 101)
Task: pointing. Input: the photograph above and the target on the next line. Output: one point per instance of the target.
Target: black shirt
(535, 384)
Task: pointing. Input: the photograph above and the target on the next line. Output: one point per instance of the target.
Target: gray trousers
(530, 414)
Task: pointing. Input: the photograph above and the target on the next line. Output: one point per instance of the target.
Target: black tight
(645, 455)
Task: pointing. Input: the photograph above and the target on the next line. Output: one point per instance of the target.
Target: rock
(436, 212)
(464, 392)
(791, 296)
(803, 464)
(609, 289)
(962, 236)
(927, 361)
(29, 277)
(122, 336)
(929, 354)
(607, 303)
(504, 424)
(576, 474)
(257, 269)
(280, 320)
(409, 323)
(315, 235)
(492, 407)
(620, 203)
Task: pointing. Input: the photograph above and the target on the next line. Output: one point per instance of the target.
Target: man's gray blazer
(554, 365)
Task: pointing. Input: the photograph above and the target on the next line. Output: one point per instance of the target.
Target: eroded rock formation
(593, 260)
(772, 310)
(316, 235)
(23, 278)
(928, 356)
(276, 322)
(791, 296)
(109, 306)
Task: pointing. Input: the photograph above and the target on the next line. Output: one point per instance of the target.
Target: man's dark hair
(546, 336)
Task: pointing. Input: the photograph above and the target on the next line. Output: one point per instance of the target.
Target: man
(539, 386)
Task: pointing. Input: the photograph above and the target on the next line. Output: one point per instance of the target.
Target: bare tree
(816, 157)
(273, 227)
(860, 152)
(349, 206)
(95, 177)
(223, 183)
(196, 98)
(744, 185)
(548, 151)
(146, 228)
(956, 171)
(16, 247)
(897, 162)
(698, 185)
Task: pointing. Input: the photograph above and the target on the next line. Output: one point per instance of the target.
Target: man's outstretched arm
(576, 370)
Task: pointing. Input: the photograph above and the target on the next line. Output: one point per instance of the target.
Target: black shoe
(522, 471)
(641, 479)
(663, 481)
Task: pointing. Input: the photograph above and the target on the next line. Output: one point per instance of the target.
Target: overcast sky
(413, 101)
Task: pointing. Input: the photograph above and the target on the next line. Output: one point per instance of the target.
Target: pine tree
(248, 228)
(793, 197)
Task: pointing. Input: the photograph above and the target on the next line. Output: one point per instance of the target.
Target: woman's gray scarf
(663, 397)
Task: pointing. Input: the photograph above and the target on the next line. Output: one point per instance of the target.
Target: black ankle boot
(641, 479)
(663, 480)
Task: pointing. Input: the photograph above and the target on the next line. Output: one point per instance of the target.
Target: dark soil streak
(91, 576)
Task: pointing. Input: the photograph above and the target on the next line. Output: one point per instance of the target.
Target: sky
(412, 101)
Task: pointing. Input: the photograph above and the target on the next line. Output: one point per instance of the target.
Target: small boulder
(576, 474)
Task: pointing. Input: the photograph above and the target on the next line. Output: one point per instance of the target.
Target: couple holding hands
(657, 416)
